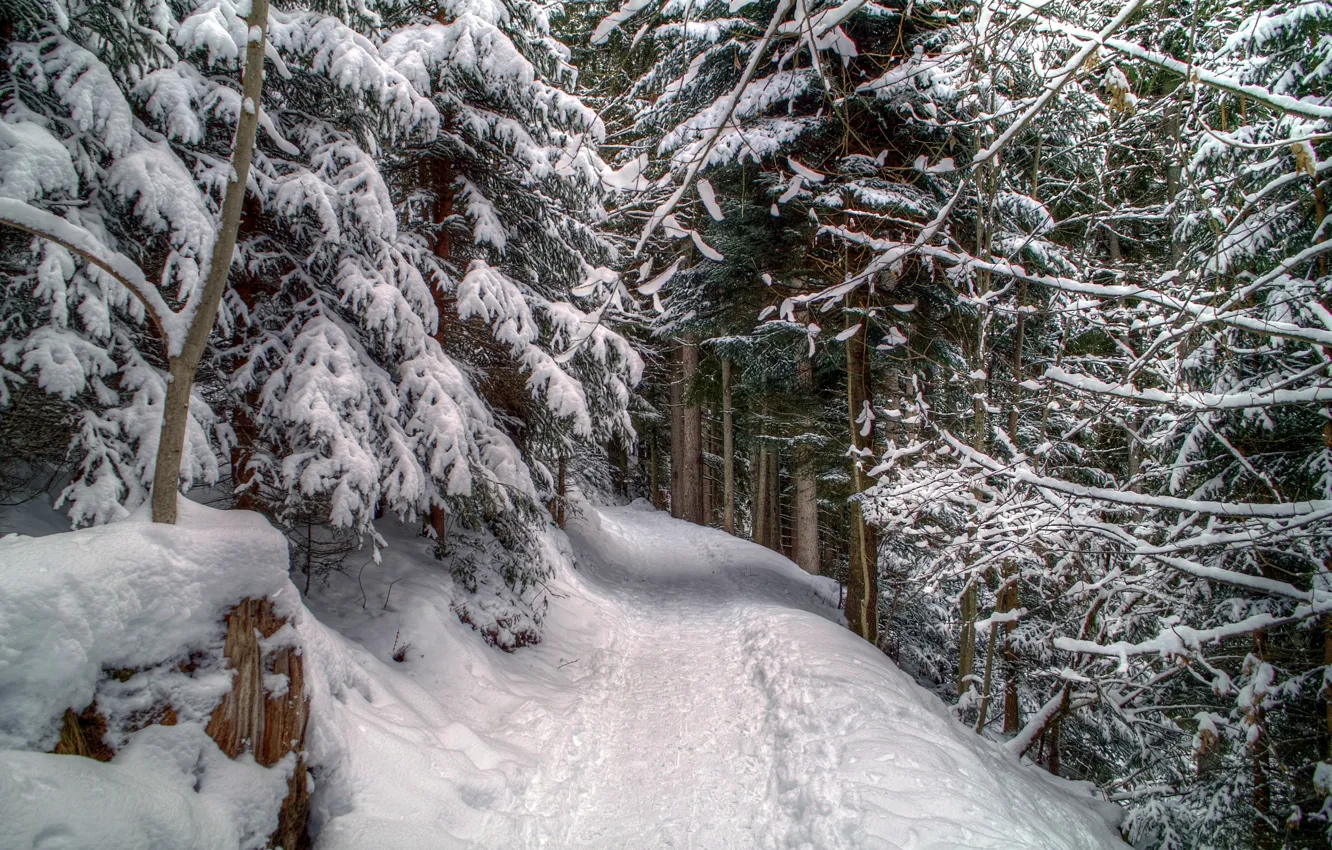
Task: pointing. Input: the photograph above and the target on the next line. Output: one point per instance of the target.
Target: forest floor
(693, 690)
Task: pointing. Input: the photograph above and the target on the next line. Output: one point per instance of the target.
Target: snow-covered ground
(693, 691)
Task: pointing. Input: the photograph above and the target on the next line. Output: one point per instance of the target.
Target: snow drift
(130, 616)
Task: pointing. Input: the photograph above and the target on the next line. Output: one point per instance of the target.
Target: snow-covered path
(649, 741)
(694, 691)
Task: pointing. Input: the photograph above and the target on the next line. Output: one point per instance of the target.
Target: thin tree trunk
(758, 490)
(182, 367)
(806, 511)
(728, 451)
(439, 523)
(709, 480)
(654, 470)
(1012, 711)
(985, 683)
(862, 587)
(775, 500)
(691, 444)
(561, 492)
(677, 435)
(966, 651)
(806, 508)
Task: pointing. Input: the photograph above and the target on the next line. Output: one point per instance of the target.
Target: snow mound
(130, 595)
(130, 616)
(692, 690)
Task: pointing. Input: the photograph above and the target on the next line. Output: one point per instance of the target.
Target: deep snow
(139, 598)
(694, 691)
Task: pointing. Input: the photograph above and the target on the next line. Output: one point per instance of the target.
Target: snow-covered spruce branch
(1196, 74)
(1189, 400)
(1235, 510)
(728, 104)
(1065, 74)
(1185, 641)
(169, 324)
(1135, 546)
(894, 251)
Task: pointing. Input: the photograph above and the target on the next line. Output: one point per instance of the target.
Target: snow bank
(130, 595)
(692, 690)
(131, 616)
(169, 788)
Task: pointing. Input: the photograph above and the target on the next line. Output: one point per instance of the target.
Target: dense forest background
(1014, 318)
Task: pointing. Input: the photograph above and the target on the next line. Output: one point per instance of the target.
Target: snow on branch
(1267, 97)
(1238, 510)
(1193, 400)
(1065, 74)
(893, 251)
(170, 325)
(727, 105)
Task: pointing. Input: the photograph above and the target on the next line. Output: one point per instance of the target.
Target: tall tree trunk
(806, 508)
(986, 681)
(758, 491)
(182, 367)
(691, 443)
(966, 651)
(862, 586)
(1012, 710)
(775, 499)
(709, 480)
(677, 435)
(654, 470)
(438, 176)
(561, 492)
(728, 451)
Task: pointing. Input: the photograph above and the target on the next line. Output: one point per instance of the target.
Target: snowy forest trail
(649, 737)
(694, 690)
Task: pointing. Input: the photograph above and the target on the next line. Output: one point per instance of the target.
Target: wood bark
(806, 508)
(728, 451)
(806, 512)
(654, 471)
(438, 177)
(1012, 709)
(774, 499)
(269, 726)
(862, 586)
(677, 435)
(966, 652)
(758, 492)
(709, 494)
(691, 442)
(182, 367)
(561, 492)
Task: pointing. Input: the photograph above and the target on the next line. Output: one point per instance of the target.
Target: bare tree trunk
(1012, 710)
(691, 443)
(758, 490)
(561, 492)
(862, 586)
(985, 682)
(677, 436)
(806, 511)
(654, 470)
(709, 480)
(966, 650)
(806, 508)
(774, 500)
(181, 368)
(728, 451)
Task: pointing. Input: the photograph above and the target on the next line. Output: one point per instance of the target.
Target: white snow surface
(132, 594)
(693, 690)
(140, 597)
